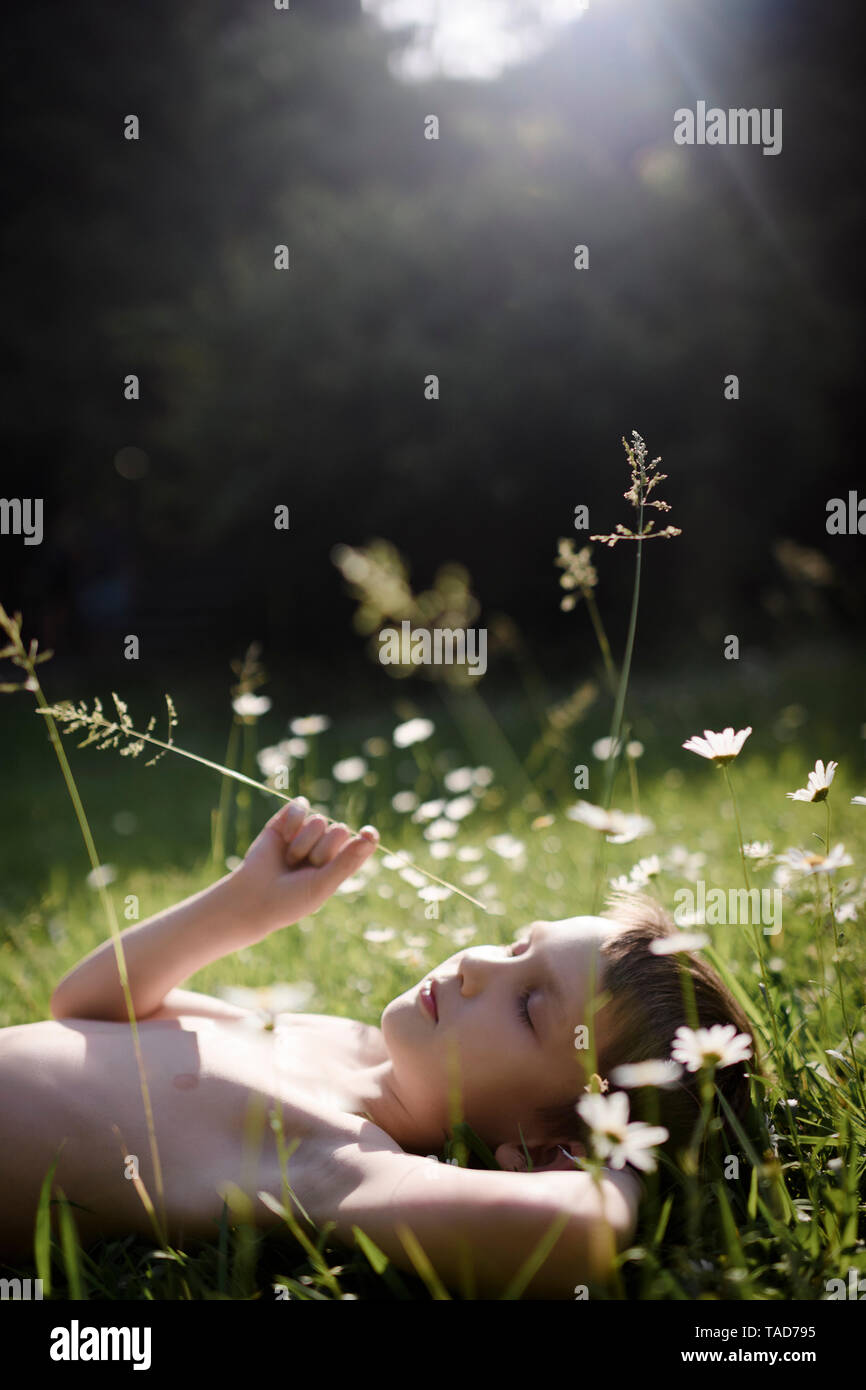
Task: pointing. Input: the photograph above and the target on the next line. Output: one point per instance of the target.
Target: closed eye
(522, 1008)
(523, 1001)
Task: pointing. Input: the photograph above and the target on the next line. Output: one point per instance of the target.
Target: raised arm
(295, 864)
(477, 1227)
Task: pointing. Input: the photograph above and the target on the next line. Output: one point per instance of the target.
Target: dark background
(411, 257)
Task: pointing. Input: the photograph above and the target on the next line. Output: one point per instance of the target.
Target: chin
(408, 1038)
(405, 1003)
(391, 1016)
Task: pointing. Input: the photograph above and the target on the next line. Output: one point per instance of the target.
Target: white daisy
(613, 1138)
(806, 862)
(758, 849)
(632, 827)
(417, 942)
(594, 816)
(506, 846)
(858, 801)
(818, 784)
(624, 884)
(647, 868)
(475, 877)
(432, 893)
(274, 760)
(441, 829)
(412, 876)
(459, 779)
(249, 706)
(604, 748)
(653, 1073)
(101, 876)
(719, 748)
(719, 1046)
(620, 826)
(397, 861)
(349, 769)
(413, 731)
(351, 885)
(441, 849)
(309, 724)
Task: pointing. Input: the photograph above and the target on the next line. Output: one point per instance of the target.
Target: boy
(365, 1105)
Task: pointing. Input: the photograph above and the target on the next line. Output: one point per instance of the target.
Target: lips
(428, 998)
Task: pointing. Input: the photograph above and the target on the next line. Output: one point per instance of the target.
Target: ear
(547, 1156)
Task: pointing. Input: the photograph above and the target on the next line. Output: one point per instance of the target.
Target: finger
(350, 858)
(330, 844)
(310, 833)
(290, 817)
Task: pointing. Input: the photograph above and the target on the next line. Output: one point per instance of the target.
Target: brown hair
(646, 1004)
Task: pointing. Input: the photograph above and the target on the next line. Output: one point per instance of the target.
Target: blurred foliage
(411, 257)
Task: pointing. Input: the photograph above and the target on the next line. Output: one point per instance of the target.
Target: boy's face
(507, 1068)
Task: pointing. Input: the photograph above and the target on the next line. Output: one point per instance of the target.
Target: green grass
(787, 1226)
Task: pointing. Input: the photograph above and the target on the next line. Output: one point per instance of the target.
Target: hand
(297, 862)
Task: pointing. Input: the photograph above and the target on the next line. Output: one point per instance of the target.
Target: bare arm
(295, 864)
(159, 953)
(477, 1228)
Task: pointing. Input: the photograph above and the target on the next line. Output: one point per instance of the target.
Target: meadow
(479, 794)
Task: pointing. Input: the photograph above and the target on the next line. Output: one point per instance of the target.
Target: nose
(475, 967)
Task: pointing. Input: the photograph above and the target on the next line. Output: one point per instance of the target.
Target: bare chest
(309, 1063)
(306, 1061)
(212, 1085)
(214, 1089)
